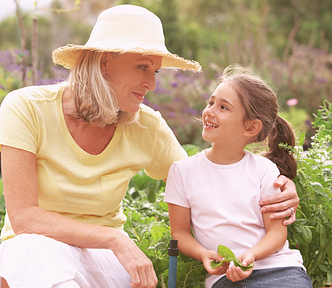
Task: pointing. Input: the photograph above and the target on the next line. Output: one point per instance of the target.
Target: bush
(311, 233)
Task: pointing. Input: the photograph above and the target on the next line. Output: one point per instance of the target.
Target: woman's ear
(104, 61)
(252, 127)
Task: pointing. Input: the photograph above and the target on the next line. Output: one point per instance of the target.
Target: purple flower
(308, 123)
(1, 87)
(205, 96)
(171, 114)
(321, 80)
(191, 111)
(146, 102)
(174, 84)
(161, 90)
(292, 102)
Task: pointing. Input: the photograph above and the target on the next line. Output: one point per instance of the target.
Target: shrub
(311, 233)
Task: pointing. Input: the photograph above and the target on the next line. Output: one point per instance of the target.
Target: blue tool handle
(173, 261)
(173, 253)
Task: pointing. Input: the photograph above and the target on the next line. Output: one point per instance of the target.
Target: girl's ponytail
(282, 132)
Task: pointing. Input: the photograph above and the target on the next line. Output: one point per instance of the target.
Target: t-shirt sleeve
(270, 174)
(18, 126)
(166, 150)
(175, 190)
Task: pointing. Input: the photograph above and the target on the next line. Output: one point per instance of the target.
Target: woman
(70, 150)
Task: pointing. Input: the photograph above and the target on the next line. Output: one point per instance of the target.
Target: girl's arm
(281, 202)
(273, 240)
(180, 222)
(21, 195)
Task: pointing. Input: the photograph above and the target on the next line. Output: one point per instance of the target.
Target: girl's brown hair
(260, 102)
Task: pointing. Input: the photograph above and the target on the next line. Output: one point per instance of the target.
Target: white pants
(34, 261)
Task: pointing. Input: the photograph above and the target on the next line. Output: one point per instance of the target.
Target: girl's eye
(156, 72)
(223, 107)
(210, 103)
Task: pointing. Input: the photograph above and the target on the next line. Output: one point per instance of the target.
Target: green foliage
(324, 118)
(311, 233)
(229, 256)
(148, 225)
(297, 117)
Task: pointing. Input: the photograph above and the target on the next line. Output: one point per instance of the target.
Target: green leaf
(225, 252)
(190, 149)
(301, 139)
(322, 235)
(2, 205)
(302, 234)
(319, 189)
(318, 259)
(298, 238)
(329, 252)
(229, 256)
(140, 181)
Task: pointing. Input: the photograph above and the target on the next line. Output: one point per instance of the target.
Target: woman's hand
(208, 256)
(236, 273)
(21, 194)
(138, 266)
(284, 203)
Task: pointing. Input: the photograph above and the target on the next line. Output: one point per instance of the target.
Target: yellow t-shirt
(87, 188)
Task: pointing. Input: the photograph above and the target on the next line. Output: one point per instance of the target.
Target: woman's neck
(220, 155)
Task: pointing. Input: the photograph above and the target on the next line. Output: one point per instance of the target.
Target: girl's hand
(208, 256)
(236, 273)
(282, 202)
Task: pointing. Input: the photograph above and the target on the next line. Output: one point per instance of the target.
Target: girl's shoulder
(259, 160)
(189, 162)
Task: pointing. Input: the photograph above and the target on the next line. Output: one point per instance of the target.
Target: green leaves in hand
(229, 256)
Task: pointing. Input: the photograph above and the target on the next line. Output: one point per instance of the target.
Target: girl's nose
(209, 111)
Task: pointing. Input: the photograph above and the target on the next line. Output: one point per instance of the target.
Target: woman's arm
(180, 222)
(282, 202)
(21, 195)
(273, 240)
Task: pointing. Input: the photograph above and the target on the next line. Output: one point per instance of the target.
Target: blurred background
(287, 42)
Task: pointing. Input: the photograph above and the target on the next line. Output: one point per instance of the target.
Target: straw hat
(125, 29)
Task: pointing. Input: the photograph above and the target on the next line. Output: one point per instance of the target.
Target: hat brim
(68, 55)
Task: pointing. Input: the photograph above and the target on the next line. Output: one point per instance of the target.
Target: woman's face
(131, 76)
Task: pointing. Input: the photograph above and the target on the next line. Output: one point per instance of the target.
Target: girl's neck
(224, 156)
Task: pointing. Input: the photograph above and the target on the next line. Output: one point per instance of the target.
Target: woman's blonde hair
(94, 98)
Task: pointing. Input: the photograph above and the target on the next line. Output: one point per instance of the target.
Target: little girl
(215, 193)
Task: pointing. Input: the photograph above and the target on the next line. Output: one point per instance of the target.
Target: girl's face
(132, 76)
(223, 117)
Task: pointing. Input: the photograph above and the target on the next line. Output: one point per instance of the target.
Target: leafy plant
(229, 256)
(148, 225)
(311, 233)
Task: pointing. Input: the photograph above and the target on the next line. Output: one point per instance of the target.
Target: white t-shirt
(223, 200)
